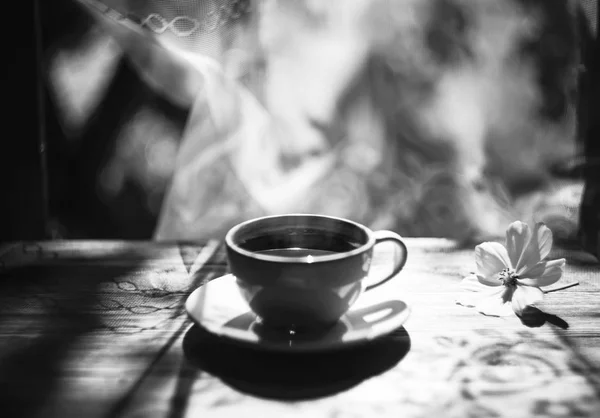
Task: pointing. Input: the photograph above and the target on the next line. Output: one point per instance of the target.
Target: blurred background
(473, 114)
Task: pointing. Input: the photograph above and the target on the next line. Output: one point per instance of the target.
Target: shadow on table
(292, 376)
(535, 318)
(45, 311)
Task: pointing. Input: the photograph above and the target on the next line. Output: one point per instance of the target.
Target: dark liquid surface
(317, 243)
(295, 252)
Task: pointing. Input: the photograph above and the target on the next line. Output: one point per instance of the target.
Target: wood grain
(93, 328)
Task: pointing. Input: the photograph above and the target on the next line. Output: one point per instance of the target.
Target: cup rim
(302, 259)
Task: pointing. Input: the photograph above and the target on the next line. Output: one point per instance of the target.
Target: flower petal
(545, 239)
(534, 272)
(551, 273)
(526, 296)
(473, 283)
(537, 248)
(517, 237)
(474, 291)
(491, 259)
(497, 304)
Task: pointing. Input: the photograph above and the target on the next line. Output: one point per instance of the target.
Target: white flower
(509, 278)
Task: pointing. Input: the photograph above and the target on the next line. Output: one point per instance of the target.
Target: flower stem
(564, 286)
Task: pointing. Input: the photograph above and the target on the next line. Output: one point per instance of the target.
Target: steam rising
(417, 115)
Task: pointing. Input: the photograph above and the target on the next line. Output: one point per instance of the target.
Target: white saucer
(220, 308)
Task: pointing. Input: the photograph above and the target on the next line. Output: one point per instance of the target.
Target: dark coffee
(295, 252)
(317, 242)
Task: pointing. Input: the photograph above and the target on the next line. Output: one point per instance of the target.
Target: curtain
(433, 118)
(589, 127)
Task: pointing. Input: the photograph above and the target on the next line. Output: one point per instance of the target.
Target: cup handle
(382, 236)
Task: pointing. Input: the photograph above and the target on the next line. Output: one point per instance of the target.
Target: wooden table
(98, 329)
